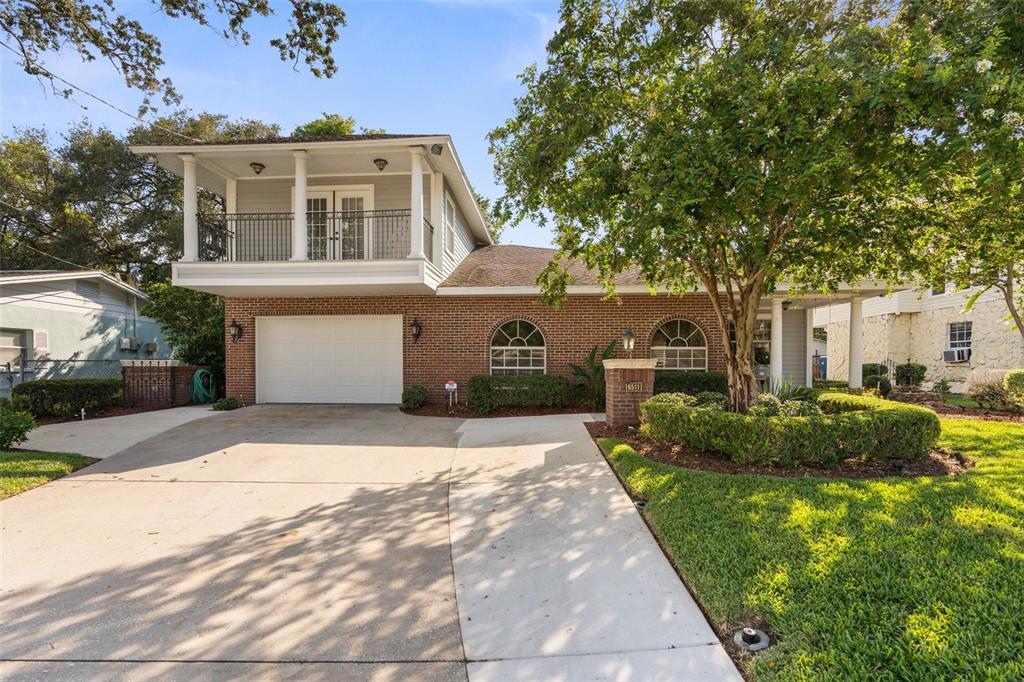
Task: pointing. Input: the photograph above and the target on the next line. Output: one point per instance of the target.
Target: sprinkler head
(752, 640)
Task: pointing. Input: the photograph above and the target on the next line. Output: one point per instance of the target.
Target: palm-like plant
(590, 375)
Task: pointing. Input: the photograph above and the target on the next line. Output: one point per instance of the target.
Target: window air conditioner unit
(956, 355)
(128, 343)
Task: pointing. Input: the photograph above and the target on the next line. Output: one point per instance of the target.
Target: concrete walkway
(106, 436)
(345, 542)
(557, 576)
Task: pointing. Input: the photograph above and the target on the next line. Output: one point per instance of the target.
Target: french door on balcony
(339, 225)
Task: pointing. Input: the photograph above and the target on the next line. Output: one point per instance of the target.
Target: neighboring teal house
(71, 324)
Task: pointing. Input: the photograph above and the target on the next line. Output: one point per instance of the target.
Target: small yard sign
(451, 386)
(452, 389)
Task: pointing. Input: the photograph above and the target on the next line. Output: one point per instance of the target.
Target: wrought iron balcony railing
(331, 235)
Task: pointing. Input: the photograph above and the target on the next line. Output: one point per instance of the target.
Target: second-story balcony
(330, 236)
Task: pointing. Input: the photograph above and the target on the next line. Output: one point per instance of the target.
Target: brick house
(356, 266)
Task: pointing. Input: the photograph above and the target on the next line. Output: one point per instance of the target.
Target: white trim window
(959, 336)
(12, 347)
(450, 219)
(517, 347)
(680, 344)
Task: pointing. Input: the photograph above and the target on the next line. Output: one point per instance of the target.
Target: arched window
(680, 344)
(517, 347)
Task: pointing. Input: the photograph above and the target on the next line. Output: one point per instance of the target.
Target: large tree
(34, 28)
(90, 201)
(723, 145)
(964, 64)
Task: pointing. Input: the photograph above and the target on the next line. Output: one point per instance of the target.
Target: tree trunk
(1008, 291)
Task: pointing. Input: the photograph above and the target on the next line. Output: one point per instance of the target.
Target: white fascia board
(845, 290)
(72, 275)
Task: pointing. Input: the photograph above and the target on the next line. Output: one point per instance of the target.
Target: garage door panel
(330, 359)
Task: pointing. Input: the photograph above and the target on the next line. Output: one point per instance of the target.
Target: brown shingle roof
(508, 265)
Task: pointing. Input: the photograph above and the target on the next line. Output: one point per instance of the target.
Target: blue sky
(427, 66)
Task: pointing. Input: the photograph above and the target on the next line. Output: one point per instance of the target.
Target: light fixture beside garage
(257, 167)
(236, 331)
(628, 341)
(436, 149)
(381, 164)
(417, 329)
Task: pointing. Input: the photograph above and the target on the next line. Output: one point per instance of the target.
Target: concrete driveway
(351, 542)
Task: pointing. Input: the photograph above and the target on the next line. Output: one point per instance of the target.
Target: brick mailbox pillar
(627, 384)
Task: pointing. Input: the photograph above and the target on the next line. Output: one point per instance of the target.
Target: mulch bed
(461, 411)
(939, 463)
(118, 411)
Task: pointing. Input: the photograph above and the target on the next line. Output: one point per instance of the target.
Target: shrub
(14, 427)
(414, 397)
(873, 369)
(942, 386)
(711, 399)
(590, 375)
(990, 394)
(799, 408)
(768, 405)
(1013, 382)
(678, 381)
(880, 383)
(62, 397)
(225, 404)
(785, 389)
(830, 384)
(487, 393)
(910, 374)
(850, 426)
(18, 402)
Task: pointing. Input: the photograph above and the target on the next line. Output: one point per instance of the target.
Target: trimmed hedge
(486, 393)
(911, 373)
(414, 397)
(873, 369)
(680, 381)
(852, 426)
(1013, 382)
(61, 397)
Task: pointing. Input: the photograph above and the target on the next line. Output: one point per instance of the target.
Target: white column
(299, 237)
(775, 357)
(809, 346)
(416, 201)
(190, 208)
(230, 208)
(437, 213)
(856, 355)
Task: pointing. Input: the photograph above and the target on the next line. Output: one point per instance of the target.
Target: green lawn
(882, 579)
(20, 471)
(954, 400)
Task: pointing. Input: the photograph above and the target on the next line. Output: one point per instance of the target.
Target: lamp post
(628, 341)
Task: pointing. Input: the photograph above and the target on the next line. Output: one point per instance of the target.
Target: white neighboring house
(59, 324)
(930, 328)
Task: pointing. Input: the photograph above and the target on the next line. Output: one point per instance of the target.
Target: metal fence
(12, 374)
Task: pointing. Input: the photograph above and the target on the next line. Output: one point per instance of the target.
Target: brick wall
(622, 406)
(455, 340)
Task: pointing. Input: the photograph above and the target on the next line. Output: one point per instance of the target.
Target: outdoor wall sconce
(628, 341)
(236, 331)
(417, 329)
(786, 304)
(436, 149)
(257, 167)
(381, 164)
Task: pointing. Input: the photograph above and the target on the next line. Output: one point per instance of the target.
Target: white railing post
(856, 355)
(809, 347)
(230, 209)
(190, 208)
(775, 352)
(299, 236)
(416, 203)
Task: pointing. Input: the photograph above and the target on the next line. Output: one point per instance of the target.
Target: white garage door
(329, 359)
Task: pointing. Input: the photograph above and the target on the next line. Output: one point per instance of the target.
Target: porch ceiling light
(257, 167)
(417, 329)
(436, 149)
(628, 341)
(236, 331)
(381, 164)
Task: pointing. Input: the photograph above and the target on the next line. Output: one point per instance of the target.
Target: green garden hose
(202, 387)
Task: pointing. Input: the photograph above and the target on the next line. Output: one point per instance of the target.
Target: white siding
(794, 346)
(67, 296)
(464, 242)
(274, 196)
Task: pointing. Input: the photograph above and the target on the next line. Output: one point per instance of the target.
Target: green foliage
(326, 127)
(676, 381)
(225, 404)
(910, 374)
(873, 369)
(880, 383)
(784, 390)
(487, 393)
(1013, 382)
(590, 375)
(15, 402)
(192, 321)
(853, 577)
(941, 386)
(99, 29)
(14, 427)
(414, 397)
(728, 145)
(990, 394)
(799, 408)
(851, 426)
(712, 400)
(827, 384)
(64, 397)
(20, 471)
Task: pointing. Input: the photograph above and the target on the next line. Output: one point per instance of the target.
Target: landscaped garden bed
(917, 576)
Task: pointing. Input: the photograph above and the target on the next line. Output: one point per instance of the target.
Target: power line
(99, 99)
(29, 246)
